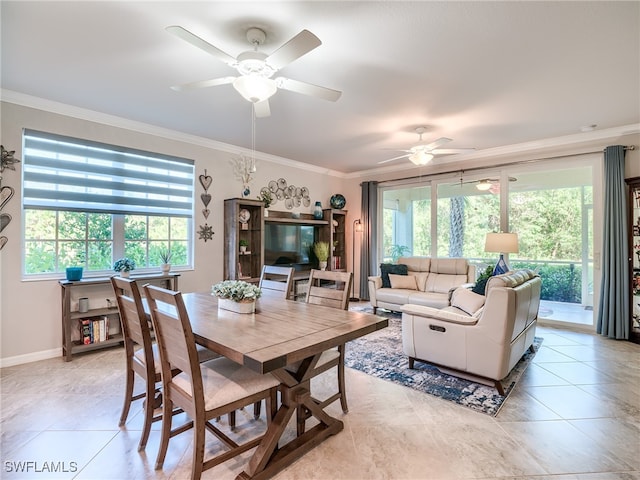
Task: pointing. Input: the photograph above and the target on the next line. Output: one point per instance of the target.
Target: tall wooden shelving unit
(243, 265)
(634, 257)
(334, 233)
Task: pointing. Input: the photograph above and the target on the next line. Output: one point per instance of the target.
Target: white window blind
(64, 173)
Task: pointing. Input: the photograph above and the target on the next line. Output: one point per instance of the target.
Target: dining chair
(331, 289)
(141, 353)
(277, 279)
(204, 391)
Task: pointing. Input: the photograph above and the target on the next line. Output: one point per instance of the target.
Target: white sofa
(477, 337)
(435, 279)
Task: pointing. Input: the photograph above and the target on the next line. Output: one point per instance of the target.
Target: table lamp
(501, 243)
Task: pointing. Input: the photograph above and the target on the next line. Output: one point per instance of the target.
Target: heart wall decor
(206, 199)
(5, 195)
(5, 219)
(205, 181)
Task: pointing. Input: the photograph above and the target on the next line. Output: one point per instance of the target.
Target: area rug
(380, 354)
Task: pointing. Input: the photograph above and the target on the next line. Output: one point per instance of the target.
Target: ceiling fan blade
(203, 84)
(262, 109)
(308, 89)
(394, 158)
(298, 46)
(196, 41)
(450, 151)
(437, 143)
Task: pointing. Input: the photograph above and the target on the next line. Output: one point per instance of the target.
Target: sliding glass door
(549, 205)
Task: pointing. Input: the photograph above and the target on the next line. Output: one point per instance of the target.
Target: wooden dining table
(280, 333)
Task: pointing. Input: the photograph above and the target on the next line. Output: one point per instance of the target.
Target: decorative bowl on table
(338, 201)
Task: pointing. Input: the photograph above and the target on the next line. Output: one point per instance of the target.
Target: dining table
(280, 333)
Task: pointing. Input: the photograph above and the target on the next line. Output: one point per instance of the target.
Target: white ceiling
(486, 74)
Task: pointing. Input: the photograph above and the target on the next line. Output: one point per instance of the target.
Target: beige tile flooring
(574, 415)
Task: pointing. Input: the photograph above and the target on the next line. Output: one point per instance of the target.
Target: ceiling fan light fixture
(420, 157)
(255, 88)
(484, 185)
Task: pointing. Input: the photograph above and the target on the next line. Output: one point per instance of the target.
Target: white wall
(30, 325)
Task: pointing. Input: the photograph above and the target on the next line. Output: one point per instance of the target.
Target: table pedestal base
(269, 458)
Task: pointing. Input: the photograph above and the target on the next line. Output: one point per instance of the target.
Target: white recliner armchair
(477, 337)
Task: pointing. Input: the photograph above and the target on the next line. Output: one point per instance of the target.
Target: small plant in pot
(266, 197)
(124, 266)
(236, 295)
(321, 251)
(165, 258)
(243, 245)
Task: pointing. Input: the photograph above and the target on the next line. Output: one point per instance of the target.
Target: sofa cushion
(421, 280)
(397, 296)
(429, 299)
(450, 266)
(467, 301)
(387, 268)
(403, 281)
(442, 282)
(416, 264)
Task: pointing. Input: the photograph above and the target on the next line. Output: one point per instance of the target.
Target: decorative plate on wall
(338, 201)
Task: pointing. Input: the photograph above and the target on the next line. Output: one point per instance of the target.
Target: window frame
(116, 233)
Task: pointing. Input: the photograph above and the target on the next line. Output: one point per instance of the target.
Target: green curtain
(368, 257)
(613, 312)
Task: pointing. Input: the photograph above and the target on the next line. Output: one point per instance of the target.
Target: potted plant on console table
(124, 266)
(236, 295)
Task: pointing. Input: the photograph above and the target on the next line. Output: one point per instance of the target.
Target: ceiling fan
(484, 184)
(421, 154)
(256, 68)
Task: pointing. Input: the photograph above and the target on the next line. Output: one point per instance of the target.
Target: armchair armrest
(374, 283)
(442, 315)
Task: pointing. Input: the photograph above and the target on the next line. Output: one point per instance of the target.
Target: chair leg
(128, 394)
(167, 418)
(256, 410)
(232, 419)
(149, 405)
(198, 448)
(341, 381)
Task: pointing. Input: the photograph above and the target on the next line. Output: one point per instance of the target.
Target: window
(406, 222)
(87, 203)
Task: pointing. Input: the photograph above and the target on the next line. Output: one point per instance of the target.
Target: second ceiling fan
(421, 154)
(256, 69)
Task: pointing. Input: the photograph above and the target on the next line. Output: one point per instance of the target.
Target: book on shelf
(94, 330)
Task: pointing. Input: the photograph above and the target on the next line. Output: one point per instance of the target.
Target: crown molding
(579, 143)
(58, 108)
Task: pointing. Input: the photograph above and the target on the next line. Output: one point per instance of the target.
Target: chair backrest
(277, 279)
(134, 320)
(335, 290)
(175, 340)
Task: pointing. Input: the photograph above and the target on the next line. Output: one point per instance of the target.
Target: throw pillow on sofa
(407, 282)
(396, 269)
(467, 301)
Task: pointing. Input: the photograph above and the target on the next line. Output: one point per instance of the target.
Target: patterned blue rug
(380, 354)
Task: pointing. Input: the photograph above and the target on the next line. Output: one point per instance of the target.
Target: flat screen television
(288, 245)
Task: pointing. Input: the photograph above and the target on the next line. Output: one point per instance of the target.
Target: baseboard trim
(30, 357)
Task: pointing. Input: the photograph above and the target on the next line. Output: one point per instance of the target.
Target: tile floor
(574, 415)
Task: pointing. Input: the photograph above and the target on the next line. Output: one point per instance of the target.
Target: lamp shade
(501, 243)
(255, 88)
